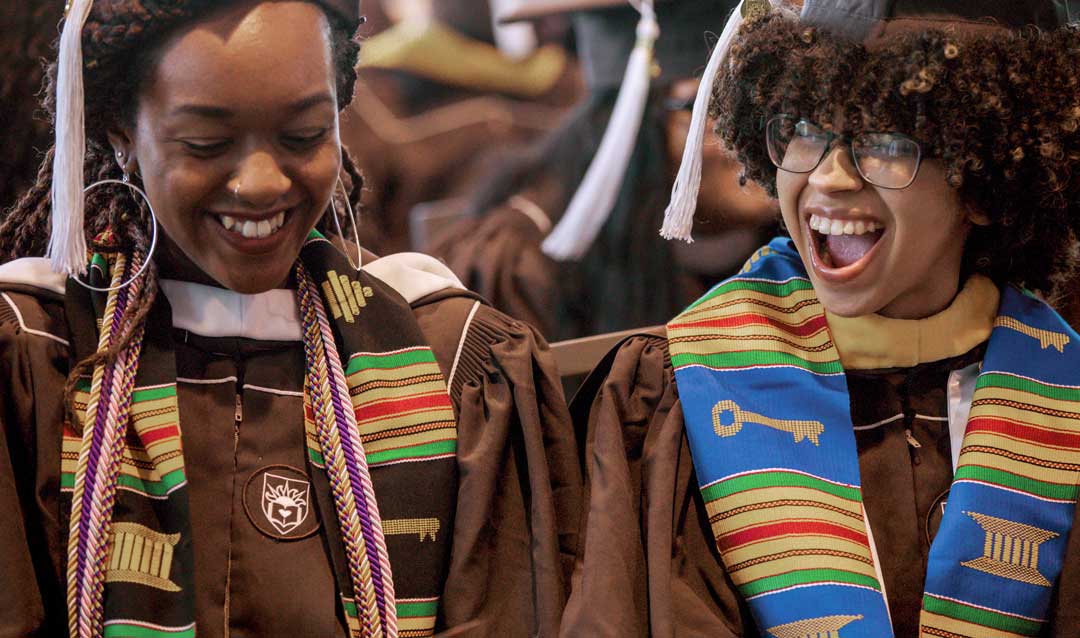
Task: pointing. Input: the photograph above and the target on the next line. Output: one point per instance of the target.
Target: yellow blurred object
(436, 52)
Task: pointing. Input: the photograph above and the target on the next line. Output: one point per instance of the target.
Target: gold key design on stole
(798, 429)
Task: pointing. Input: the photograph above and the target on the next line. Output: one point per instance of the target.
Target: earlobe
(123, 150)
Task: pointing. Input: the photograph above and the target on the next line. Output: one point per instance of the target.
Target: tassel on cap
(592, 203)
(67, 243)
(679, 216)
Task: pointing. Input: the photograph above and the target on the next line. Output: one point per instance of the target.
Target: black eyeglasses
(888, 160)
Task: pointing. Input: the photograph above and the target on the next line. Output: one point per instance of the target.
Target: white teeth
(827, 226)
(253, 229)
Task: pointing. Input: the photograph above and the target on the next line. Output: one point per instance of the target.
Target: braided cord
(346, 463)
(100, 454)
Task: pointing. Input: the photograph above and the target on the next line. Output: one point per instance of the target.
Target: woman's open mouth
(842, 248)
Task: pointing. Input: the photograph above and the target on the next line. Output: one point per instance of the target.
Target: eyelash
(205, 150)
(216, 148)
(304, 141)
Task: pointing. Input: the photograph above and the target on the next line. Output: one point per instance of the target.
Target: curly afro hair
(1000, 109)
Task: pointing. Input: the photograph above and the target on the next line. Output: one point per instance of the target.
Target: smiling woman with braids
(211, 417)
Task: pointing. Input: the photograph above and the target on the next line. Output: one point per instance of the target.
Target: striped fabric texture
(768, 418)
(377, 400)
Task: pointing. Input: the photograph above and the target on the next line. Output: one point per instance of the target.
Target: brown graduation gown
(647, 565)
(519, 481)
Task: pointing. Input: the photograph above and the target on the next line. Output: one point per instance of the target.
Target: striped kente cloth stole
(768, 418)
(378, 423)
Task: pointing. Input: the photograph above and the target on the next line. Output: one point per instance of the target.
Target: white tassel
(591, 205)
(679, 216)
(67, 243)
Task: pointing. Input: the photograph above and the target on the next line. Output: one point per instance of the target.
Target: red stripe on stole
(153, 436)
(1022, 431)
(399, 406)
(763, 532)
(807, 328)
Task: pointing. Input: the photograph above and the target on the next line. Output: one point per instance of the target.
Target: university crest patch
(278, 501)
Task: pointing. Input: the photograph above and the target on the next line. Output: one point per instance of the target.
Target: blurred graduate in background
(441, 93)
(602, 267)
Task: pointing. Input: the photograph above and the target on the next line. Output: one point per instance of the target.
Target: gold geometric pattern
(139, 555)
(424, 527)
(1046, 338)
(824, 627)
(764, 250)
(1011, 549)
(755, 9)
(799, 429)
(345, 297)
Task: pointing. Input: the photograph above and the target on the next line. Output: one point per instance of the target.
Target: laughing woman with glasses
(874, 430)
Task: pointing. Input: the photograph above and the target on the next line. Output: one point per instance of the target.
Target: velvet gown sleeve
(646, 564)
(32, 374)
(519, 478)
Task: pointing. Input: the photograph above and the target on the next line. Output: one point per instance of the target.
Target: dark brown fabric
(498, 255)
(518, 495)
(644, 521)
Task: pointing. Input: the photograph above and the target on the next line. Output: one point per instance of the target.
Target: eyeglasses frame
(833, 137)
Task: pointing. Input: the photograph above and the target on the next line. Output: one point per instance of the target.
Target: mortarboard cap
(858, 19)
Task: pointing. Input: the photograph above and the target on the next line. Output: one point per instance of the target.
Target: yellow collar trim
(436, 52)
(873, 342)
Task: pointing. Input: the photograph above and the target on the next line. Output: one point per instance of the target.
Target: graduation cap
(853, 19)
(67, 242)
(858, 19)
(621, 43)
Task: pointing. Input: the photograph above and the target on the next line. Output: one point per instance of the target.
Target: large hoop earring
(153, 237)
(356, 228)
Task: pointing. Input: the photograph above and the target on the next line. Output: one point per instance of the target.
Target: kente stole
(768, 419)
(377, 420)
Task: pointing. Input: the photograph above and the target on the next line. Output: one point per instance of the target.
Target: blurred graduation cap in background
(633, 45)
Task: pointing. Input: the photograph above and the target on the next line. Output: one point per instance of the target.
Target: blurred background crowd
(473, 122)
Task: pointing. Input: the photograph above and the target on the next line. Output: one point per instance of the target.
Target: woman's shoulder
(32, 306)
(475, 340)
(466, 334)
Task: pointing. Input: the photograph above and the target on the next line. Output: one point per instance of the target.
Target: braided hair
(118, 40)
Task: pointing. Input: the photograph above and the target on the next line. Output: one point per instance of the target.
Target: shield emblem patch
(277, 499)
(285, 501)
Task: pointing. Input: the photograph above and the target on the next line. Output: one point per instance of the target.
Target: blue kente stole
(768, 418)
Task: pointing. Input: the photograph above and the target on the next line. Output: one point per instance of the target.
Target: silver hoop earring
(153, 237)
(356, 227)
